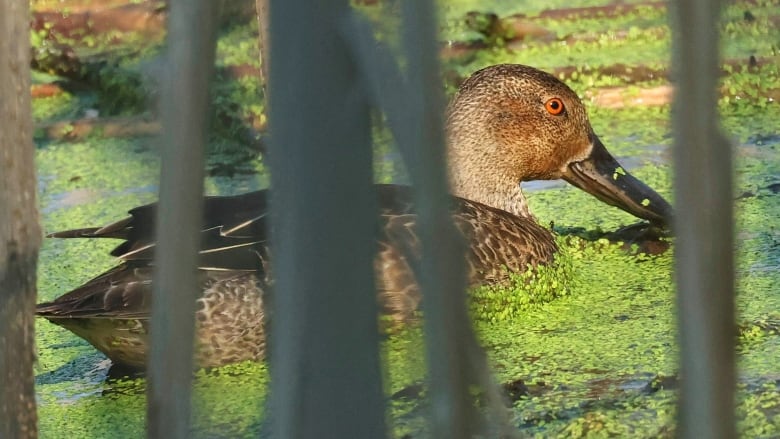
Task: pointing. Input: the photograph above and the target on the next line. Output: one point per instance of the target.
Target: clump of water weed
(536, 285)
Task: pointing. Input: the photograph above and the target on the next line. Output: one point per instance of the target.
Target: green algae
(592, 353)
(230, 401)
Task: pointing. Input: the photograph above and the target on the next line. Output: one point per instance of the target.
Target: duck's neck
(479, 168)
(493, 190)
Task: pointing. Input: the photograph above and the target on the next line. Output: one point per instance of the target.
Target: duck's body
(112, 311)
(507, 124)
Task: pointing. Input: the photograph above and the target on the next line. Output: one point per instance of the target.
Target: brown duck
(507, 124)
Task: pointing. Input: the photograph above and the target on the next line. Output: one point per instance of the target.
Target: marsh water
(598, 359)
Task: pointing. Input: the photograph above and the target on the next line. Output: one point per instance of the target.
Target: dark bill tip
(602, 176)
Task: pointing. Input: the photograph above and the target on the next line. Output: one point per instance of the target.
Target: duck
(506, 124)
(506, 31)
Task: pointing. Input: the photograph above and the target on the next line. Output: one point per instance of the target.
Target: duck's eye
(554, 106)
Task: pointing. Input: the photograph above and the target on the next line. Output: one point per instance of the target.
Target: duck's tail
(117, 230)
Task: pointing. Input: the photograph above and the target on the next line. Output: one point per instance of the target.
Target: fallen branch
(107, 127)
(45, 90)
(607, 11)
(620, 97)
(146, 18)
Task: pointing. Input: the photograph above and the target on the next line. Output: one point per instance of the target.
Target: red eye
(554, 106)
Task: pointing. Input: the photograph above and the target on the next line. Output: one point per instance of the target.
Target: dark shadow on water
(92, 368)
(640, 237)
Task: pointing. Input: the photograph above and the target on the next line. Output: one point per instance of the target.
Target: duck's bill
(602, 176)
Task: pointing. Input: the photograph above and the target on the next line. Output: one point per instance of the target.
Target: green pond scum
(585, 347)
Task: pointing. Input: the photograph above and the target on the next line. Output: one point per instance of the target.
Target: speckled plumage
(499, 134)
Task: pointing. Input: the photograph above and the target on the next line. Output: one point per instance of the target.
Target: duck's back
(496, 243)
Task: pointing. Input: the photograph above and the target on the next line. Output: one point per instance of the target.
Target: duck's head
(512, 123)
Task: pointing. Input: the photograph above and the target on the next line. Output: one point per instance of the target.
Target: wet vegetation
(587, 349)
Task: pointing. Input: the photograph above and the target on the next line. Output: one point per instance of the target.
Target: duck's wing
(499, 243)
(233, 244)
(232, 228)
(123, 292)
